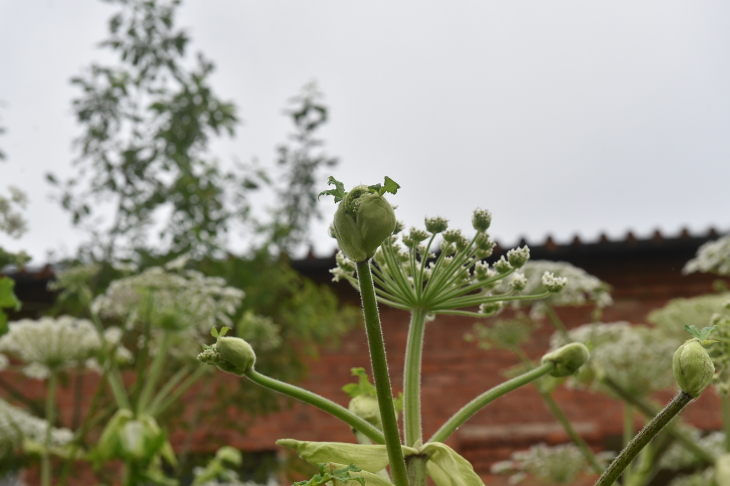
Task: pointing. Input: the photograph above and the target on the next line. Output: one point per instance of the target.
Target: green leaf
(390, 186)
(338, 192)
(216, 334)
(363, 387)
(7, 295)
(699, 334)
(342, 474)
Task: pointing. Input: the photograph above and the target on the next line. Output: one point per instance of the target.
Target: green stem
(320, 402)
(161, 405)
(114, 377)
(170, 385)
(150, 381)
(627, 436)
(50, 418)
(555, 320)
(560, 417)
(725, 407)
(412, 379)
(468, 410)
(572, 433)
(381, 377)
(648, 411)
(627, 455)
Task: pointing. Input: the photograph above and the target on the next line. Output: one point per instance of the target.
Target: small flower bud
(517, 257)
(451, 236)
(567, 359)
(366, 407)
(518, 282)
(490, 308)
(436, 225)
(229, 456)
(552, 283)
(399, 226)
(481, 219)
(344, 263)
(418, 235)
(502, 266)
(693, 368)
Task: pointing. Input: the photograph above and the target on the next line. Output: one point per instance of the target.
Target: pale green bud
(230, 354)
(552, 283)
(418, 235)
(567, 359)
(452, 236)
(693, 368)
(518, 282)
(399, 226)
(366, 407)
(517, 257)
(502, 266)
(481, 219)
(490, 308)
(436, 225)
(229, 455)
(362, 222)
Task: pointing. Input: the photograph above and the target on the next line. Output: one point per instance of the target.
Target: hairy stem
(468, 410)
(416, 466)
(381, 377)
(412, 379)
(649, 411)
(725, 407)
(627, 455)
(320, 402)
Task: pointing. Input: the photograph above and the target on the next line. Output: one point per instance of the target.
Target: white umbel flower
(713, 257)
(50, 344)
(16, 424)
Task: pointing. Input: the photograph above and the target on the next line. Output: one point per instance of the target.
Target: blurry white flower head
(560, 464)
(3, 362)
(638, 358)
(712, 257)
(702, 478)
(50, 344)
(580, 288)
(677, 456)
(16, 424)
(170, 300)
(678, 313)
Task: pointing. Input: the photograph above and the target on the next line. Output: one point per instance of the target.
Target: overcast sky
(561, 117)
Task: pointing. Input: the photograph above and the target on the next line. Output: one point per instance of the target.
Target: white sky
(561, 117)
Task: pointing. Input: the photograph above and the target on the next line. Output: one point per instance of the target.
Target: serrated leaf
(390, 186)
(363, 387)
(224, 331)
(214, 332)
(324, 477)
(338, 192)
(699, 334)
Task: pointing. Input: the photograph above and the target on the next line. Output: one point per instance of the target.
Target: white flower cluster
(678, 457)
(559, 464)
(638, 358)
(703, 478)
(699, 311)
(16, 424)
(713, 257)
(580, 288)
(170, 300)
(50, 344)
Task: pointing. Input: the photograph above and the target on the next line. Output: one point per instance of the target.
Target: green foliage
(699, 334)
(324, 477)
(8, 300)
(363, 387)
(146, 125)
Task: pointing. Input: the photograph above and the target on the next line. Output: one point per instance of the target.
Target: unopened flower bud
(490, 308)
(517, 257)
(366, 407)
(552, 283)
(481, 219)
(567, 359)
(230, 354)
(362, 222)
(502, 266)
(518, 282)
(229, 456)
(693, 368)
(418, 235)
(436, 225)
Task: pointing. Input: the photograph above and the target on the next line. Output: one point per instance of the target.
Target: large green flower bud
(693, 368)
(567, 359)
(237, 353)
(362, 222)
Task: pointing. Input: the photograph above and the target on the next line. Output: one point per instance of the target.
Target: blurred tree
(300, 162)
(146, 127)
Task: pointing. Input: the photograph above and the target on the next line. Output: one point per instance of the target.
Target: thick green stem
(381, 377)
(628, 435)
(50, 419)
(725, 407)
(158, 406)
(556, 322)
(416, 466)
(412, 379)
(648, 411)
(485, 398)
(320, 402)
(627, 455)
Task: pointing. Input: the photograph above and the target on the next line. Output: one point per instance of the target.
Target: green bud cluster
(693, 368)
(409, 275)
(230, 354)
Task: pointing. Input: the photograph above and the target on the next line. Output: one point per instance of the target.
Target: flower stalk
(412, 379)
